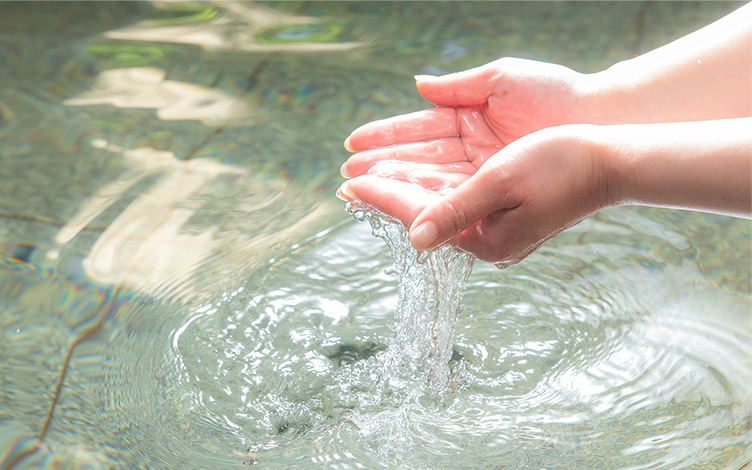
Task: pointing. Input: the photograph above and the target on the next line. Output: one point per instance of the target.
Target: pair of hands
(493, 169)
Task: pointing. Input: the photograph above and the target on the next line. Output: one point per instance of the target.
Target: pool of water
(179, 287)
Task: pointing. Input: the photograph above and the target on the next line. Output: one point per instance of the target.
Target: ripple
(577, 368)
(605, 364)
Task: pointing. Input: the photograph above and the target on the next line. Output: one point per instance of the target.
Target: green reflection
(189, 13)
(292, 33)
(131, 55)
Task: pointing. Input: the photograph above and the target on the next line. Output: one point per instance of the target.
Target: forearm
(702, 76)
(703, 165)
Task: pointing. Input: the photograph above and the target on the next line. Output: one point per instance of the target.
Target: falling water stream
(431, 286)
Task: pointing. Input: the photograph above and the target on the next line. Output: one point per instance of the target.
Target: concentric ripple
(585, 355)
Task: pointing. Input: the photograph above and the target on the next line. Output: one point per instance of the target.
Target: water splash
(431, 286)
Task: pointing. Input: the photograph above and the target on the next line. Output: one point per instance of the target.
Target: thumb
(468, 88)
(479, 196)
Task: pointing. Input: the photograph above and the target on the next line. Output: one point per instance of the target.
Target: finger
(482, 194)
(429, 124)
(505, 237)
(401, 200)
(433, 177)
(468, 88)
(437, 151)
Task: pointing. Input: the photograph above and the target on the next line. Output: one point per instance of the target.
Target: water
(549, 372)
(179, 287)
(431, 288)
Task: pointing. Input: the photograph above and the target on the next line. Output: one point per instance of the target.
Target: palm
(437, 136)
(409, 161)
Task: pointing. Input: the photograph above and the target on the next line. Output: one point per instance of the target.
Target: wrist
(606, 96)
(703, 165)
(606, 183)
(587, 163)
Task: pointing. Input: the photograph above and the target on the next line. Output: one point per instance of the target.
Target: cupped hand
(524, 195)
(479, 112)
(428, 169)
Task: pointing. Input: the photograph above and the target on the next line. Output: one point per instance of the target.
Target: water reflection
(150, 247)
(146, 88)
(143, 247)
(241, 27)
(185, 213)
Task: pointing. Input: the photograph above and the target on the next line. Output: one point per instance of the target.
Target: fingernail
(423, 236)
(348, 147)
(424, 77)
(343, 171)
(345, 193)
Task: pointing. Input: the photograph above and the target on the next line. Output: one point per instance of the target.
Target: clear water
(179, 287)
(431, 286)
